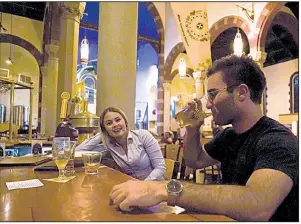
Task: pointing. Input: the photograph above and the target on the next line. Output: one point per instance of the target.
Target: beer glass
(61, 153)
(91, 162)
(69, 169)
(193, 113)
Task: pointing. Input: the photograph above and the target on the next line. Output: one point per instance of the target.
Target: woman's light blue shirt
(144, 159)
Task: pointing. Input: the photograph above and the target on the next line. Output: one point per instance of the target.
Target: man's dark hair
(238, 70)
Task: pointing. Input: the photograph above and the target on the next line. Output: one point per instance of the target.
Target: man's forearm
(192, 146)
(237, 202)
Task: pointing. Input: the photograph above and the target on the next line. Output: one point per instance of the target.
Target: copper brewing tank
(86, 123)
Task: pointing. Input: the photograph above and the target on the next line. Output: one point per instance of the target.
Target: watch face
(174, 187)
(197, 25)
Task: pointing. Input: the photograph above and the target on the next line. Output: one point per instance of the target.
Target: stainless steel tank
(26, 115)
(21, 115)
(18, 118)
(2, 113)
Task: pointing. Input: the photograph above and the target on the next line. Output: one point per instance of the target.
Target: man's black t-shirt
(268, 144)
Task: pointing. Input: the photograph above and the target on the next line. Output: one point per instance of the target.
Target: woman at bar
(136, 152)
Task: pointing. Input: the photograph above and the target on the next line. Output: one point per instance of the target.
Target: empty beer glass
(193, 113)
(69, 169)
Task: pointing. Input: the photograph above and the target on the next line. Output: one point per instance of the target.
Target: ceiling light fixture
(9, 61)
(238, 44)
(84, 50)
(182, 68)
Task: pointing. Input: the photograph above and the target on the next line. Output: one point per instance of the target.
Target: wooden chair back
(163, 150)
(172, 169)
(172, 151)
(180, 154)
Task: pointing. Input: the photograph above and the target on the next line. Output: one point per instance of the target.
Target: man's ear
(242, 92)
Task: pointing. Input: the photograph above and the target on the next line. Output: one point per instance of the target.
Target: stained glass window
(295, 93)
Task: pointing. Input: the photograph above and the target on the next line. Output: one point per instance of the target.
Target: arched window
(294, 87)
(89, 82)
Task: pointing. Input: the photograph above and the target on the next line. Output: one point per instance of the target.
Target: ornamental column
(201, 89)
(167, 94)
(117, 50)
(70, 15)
(260, 58)
(44, 70)
(51, 86)
(199, 77)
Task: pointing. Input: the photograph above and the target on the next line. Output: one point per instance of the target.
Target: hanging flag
(192, 21)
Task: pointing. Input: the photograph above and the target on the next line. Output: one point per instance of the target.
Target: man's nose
(209, 104)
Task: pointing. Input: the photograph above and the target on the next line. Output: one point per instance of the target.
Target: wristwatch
(174, 189)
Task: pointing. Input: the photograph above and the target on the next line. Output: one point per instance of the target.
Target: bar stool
(163, 150)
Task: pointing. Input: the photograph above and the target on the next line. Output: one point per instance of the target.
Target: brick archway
(228, 22)
(215, 30)
(12, 39)
(290, 23)
(175, 51)
(8, 38)
(263, 24)
(160, 29)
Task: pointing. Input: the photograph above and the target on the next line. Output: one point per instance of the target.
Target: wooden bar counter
(84, 198)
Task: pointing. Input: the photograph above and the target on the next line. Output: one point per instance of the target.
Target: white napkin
(24, 184)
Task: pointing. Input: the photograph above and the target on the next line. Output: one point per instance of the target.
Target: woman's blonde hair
(103, 132)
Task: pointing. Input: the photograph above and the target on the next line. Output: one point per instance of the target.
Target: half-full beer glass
(193, 113)
(61, 153)
(91, 162)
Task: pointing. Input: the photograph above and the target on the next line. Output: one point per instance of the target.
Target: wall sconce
(249, 13)
(238, 44)
(182, 68)
(9, 61)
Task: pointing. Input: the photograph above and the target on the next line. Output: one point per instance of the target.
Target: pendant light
(9, 61)
(238, 44)
(182, 68)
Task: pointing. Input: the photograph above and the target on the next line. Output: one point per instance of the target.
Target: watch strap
(172, 199)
